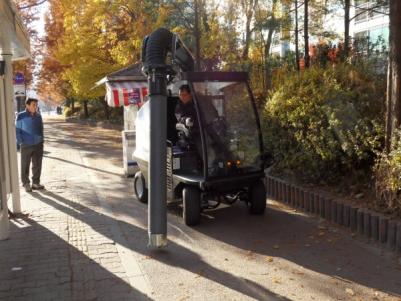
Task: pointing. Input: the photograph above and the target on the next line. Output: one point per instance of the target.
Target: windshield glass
(230, 127)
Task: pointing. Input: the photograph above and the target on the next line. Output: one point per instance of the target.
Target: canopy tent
(125, 87)
(125, 93)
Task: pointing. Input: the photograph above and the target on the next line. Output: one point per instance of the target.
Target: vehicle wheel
(257, 198)
(191, 205)
(140, 190)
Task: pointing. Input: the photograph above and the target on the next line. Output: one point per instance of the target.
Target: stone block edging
(371, 225)
(99, 124)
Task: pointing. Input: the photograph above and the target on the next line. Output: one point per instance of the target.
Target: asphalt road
(231, 255)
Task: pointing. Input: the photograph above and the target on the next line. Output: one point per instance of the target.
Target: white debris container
(130, 165)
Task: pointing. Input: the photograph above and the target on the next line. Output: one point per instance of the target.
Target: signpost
(19, 79)
(19, 91)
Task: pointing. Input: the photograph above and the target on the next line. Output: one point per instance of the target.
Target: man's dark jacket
(29, 128)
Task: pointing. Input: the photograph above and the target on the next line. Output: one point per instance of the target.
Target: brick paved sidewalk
(65, 248)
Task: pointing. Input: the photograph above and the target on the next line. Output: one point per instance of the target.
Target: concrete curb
(99, 124)
(372, 225)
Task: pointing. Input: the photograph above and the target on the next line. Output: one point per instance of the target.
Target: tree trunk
(106, 109)
(296, 36)
(73, 105)
(269, 43)
(86, 112)
(269, 40)
(249, 10)
(306, 33)
(267, 72)
(197, 37)
(389, 109)
(347, 5)
(245, 52)
(204, 17)
(395, 63)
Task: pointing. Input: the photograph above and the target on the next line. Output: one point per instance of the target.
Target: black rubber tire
(257, 198)
(140, 190)
(191, 205)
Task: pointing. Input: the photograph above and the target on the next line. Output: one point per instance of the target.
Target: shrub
(325, 123)
(388, 178)
(68, 112)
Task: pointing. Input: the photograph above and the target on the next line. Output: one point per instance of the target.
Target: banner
(125, 93)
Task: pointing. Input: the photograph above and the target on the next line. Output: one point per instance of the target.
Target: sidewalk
(85, 238)
(65, 248)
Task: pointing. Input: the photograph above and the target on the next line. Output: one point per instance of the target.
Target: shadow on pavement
(278, 234)
(36, 264)
(319, 250)
(175, 255)
(81, 165)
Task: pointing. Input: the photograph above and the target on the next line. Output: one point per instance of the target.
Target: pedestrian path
(85, 238)
(64, 249)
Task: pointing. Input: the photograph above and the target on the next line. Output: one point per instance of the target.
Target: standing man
(29, 127)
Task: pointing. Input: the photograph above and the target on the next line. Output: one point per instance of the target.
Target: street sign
(19, 78)
(19, 90)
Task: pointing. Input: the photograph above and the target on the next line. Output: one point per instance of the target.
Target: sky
(39, 25)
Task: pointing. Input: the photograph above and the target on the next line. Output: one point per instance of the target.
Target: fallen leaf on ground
(200, 274)
(350, 291)
(322, 233)
(322, 227)
(275, 280)
(269, 259)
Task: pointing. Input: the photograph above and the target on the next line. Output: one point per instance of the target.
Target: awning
(126, 93)
(12, 28)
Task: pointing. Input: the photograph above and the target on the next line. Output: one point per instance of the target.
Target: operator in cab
(185, 107)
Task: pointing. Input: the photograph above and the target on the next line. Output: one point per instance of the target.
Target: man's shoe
(27, 187)
(37, 187)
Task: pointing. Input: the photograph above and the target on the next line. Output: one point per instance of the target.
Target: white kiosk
(14, 45)
(127, 87)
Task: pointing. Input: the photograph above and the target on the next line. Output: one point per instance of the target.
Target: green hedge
(325, 123)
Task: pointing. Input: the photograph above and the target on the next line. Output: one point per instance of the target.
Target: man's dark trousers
(32, 153)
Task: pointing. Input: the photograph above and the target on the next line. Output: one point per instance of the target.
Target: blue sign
(19, 78)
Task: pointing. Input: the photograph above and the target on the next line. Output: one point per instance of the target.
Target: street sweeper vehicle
(201, 153)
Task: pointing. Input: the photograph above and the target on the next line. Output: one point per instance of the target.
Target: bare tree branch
(32, 5)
